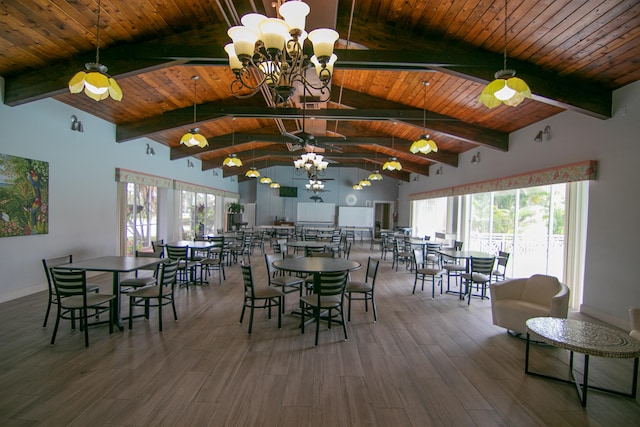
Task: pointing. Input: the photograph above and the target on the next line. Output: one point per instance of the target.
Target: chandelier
(269, 52)
(95, 81)
(312, 163)
(315, 185)
(506, 88)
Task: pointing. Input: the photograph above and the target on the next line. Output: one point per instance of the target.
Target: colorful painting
(24, 196)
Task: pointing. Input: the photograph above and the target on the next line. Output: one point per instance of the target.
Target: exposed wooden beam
(446, 56)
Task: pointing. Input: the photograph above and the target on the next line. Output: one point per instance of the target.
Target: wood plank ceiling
(572, 53)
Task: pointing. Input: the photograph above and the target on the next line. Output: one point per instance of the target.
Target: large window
(141, 217)
(429, 216)
(197, 214)
(528, 223)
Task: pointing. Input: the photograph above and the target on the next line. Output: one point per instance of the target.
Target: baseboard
(605, 317)
(23, 292)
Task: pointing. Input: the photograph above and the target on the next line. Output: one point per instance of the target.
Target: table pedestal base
(583, 387)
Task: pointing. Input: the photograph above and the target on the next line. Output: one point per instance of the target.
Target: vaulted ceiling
(573, 54)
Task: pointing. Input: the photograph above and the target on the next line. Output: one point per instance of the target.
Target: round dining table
(316, 265)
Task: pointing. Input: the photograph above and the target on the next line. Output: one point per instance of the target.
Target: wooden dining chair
(158, 295)
(425, 270)
(286, 282)
(48, 264)
(328, 296)
(364, 291)
(479, 275)
(186, 267)
(71, 290)
(259, 296)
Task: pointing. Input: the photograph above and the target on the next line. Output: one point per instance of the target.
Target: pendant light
(253, 172)
(232, 160)
(424, 144)
(506, 88)
(193, 137)
(392, 164)
(94, 80)
(375, 175)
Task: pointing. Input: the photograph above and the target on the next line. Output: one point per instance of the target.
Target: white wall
(270, 204)
(82, 187)
(611, 280)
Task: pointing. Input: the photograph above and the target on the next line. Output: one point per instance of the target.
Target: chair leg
(86, 327)
(55, 328)
(251, 316)
(349, 299)
(344, 326)
(46, 316)
(131, 313)
(279, 313)
(160, 314)
(316, 314)
(375, 311)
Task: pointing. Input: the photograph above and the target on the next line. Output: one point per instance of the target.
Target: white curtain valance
(582, 171)
(125, 175)
(196, 188)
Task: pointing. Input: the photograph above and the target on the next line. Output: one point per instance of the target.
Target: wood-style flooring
(425, 362)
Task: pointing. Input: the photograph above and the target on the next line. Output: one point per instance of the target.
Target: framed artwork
(24, 196)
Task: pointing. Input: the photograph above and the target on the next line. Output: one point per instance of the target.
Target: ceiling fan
(305, 140)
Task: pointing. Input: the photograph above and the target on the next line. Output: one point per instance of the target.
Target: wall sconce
(189, 163)
(476, 158)
(543, 135)
(76, 124)
(215, 172)
(150, 151)
(439, 171)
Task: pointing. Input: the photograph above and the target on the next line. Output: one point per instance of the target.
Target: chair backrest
(503, 258)
(69, 282)
(177, 252)
(269, 259)
(321, 254)
(50, 263)
(418, 259)
(457, 245)
(311, 251)
(247, 279)
(331, 283)
(482, 265)
(433, 248)
(158, 246)
(372, 271)
(168, 271)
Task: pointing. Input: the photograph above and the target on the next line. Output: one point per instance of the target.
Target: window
(429, 216)
(197, 214)
(141, 217)
(528, 223)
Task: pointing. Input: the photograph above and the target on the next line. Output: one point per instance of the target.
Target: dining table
(315, 266)
(114, 265)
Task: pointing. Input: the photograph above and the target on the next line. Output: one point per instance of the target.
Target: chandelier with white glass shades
(270, 52)
(313, 163)
(315, 185)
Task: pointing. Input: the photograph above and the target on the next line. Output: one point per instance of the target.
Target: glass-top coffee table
(586, 338)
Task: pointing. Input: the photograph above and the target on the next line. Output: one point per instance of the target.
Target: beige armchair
(634, 315)
(515, 301)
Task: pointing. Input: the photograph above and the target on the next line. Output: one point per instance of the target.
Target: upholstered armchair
(515, 301)
(634, 316)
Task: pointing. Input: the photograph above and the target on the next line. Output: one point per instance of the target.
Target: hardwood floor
(425, 362)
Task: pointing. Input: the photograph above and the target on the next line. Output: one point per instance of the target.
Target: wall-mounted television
(288, 191)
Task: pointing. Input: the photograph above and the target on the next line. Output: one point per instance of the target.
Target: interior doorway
(384, 214)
